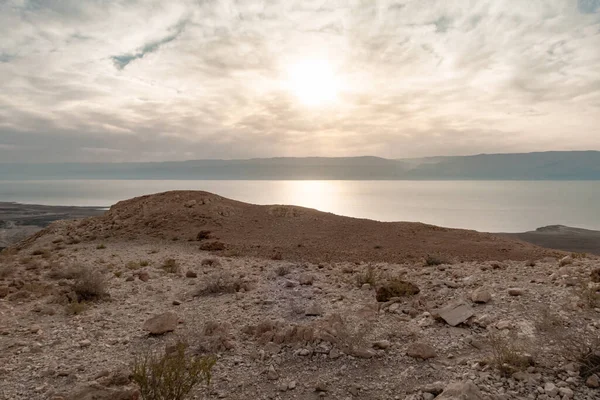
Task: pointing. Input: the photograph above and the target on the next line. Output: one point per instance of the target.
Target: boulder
(456, 314)
(162, 323)
(461, 390)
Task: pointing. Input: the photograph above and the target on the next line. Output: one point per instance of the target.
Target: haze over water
(492, 206)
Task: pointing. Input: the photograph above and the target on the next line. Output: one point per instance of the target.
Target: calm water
(493, 206)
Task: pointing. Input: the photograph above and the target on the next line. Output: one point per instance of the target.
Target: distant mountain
(558, 165)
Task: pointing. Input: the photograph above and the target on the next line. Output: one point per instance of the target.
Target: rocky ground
(286, 329)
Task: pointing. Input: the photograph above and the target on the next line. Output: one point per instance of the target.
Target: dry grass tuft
(508, 354)
(282, 270)
(220, 283)
(90, 285)
(76, 308)
(171, 375)
(369, 276)
(395, 287)
(170, 266)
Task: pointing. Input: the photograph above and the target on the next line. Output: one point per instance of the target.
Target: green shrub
(170, 376)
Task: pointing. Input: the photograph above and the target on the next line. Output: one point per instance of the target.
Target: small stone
(144, 276)
(566, 392)
(481, 296)
(306, 279)
(321, 387)
(550, 389)
(381, 344)
(303, 352)
(421, 350)
(434, 388)
(176, 302)
(129, 279)
(162, 323)
(272, 374)
(85, 343)
(461, 390)
(366, 286)
(565, 261)
(191, 274)
(516, 291)
(504, 325)
(593, 382)
(334, 354)
(292, 385)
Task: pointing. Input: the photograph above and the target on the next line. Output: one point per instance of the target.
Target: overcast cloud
(127, 80)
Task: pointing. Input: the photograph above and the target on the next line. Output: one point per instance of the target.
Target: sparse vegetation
(369, 276)
(212, 246)
(171, 266)
(432, 260)
(76, 308)
(282, 270)
(589, 295)
(395, 287)
(203, 235)
(132, 265)
(508, 354)
(89, 285)
(220, 283)
(210, 262)
(100, 247)
(144, 263)
(171, 376)
(6, 271)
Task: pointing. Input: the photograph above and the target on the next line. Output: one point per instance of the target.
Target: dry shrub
(582, 347)
(89, 285)
(369, 276)
(210, 262)
(350, 339)
(282, 270)
(170, 266)
(395, 287)
(144, 263)
(546, 321)
(203, 235)
(589, 294)
(220, 283)
(100, 247)
(508, 354)
(215, 337)
(170, 376)
(212, 246)
(432, 260)
(132, 265)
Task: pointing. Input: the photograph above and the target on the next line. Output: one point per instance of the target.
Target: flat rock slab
(456, 314)
(162, 323)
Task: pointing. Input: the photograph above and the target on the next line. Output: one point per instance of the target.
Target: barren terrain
(296, 304)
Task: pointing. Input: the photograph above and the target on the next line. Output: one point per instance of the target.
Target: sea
(487, 206)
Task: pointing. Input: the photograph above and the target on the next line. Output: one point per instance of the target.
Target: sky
(144, 80)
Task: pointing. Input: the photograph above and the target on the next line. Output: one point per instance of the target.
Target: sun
(313, 82)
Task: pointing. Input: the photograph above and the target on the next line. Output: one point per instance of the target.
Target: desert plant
(144, 263)
(170, 265)
(589, 294)
(170, 376)
(100, 247)
(60, 272)
(89, 285)
(431, 260)
(395, 287)
(212, 246)
(132, 265)
(211, 262)
(369, 276)
(75, 307)
(220, 283)
(282, 270)
(508, 355)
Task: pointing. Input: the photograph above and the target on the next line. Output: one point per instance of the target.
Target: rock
(481, 296)
(334, 354)
(291, 385)
(313, 311)
(421, 350)
(176, 302)
(191, 274)
(306, 279)
(516, 291)
(190, 203)
(161, 323)
(504, 324)
(272, 374)
(129, 279)
(434, 388)
(4, 291)
(566, 392)
(365, 286)
(461, 390)
(381, 344)
(565, 261)
(456, 314)
(550, 389)
(428, 396)
(594, 276)
(593, 382)
(144, 276)
(321, 387)
(85, 343)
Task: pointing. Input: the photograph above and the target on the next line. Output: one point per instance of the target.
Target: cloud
(157, 80)
(122, 61)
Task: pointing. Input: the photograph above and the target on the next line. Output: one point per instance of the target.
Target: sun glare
(313, 82)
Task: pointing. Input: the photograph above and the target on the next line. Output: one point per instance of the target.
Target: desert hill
(288, 232)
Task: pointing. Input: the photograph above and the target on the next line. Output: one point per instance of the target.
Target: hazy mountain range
(557, 165)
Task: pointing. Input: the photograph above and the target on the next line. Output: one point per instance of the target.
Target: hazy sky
(127, 80)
